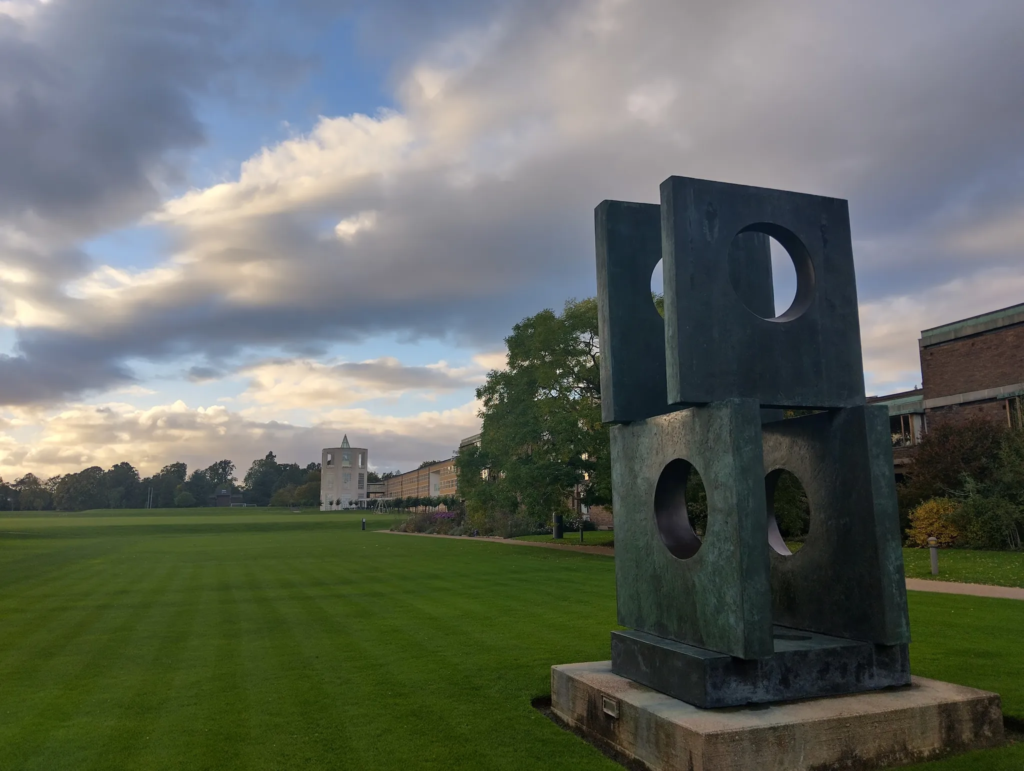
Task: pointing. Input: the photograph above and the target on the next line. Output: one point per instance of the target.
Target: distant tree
(221, 474)
(122, 485)
(82, 491)
(428, 463)
(184, 500)
(199, 486)
(33, 495)
(373, 476)
(310, 467)
(389, 475)
(261, 478)
(284, 496)
(308, 494)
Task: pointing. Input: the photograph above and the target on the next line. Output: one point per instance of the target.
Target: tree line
(267, 482)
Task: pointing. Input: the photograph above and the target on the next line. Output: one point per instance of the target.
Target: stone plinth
(865, 731)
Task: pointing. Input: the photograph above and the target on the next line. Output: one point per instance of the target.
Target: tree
(261, 478)
(372, 476)
(82, 491)
(948, 456)
(33, 495)
(542, 433)
(122, 486)
(184, 500)
(221, 474)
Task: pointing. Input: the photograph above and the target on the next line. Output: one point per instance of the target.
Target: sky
(231, 227)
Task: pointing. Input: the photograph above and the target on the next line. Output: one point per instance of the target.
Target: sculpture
(734, 618)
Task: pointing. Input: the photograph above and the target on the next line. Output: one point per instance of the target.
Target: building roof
(974, 325)
(344, 443)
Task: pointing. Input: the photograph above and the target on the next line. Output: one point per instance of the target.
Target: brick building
(969, 368)
(430, 481)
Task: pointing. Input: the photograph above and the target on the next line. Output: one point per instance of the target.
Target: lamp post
(933, 547)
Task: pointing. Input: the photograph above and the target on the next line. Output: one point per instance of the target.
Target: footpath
(913, 584)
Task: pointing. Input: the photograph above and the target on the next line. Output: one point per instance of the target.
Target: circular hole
(789, 514)
(681, 508)
(771, 272)
(658, 287)
(783, 277)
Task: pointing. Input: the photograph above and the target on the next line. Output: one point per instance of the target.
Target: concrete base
(872, 730)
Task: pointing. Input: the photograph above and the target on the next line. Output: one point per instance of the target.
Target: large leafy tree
(261, 478)
(542, 432)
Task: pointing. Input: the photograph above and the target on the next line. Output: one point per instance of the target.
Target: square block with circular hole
(847, 578)
(632, 332)
(719, 345)
(711, 592)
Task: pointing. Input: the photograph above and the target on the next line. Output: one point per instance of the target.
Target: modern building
(343, 476)
(432, 480)
(969, 368)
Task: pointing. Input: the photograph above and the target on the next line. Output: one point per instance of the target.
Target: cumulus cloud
(102, 435)
(469, 205)
(306, 384)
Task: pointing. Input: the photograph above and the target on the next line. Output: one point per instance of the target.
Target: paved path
(975, 590)
(604, 551)
(913, 584)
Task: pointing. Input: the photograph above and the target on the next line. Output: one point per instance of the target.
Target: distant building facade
(343, 476)
(224, 497)
(969, 368)
(430, 481)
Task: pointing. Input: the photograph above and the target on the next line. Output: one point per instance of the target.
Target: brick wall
(601, 517)
(988, 360)
(960, 413)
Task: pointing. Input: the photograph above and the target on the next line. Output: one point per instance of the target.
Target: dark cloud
(912, 112)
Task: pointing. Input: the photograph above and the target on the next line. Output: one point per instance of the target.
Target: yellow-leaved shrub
(933, 518)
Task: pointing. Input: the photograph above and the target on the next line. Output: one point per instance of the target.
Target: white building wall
(342, 477)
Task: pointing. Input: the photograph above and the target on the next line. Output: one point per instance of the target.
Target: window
(346, 459)
(904, 431)
(362, 460)
(362, 480)
(330, 459)
(346, 480)
(1015, 411)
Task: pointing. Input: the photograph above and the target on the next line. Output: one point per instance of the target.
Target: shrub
(988, 523)
(184, 500)
(933, 518)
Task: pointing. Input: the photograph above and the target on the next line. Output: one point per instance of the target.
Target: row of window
(346, 459)
(346, 480)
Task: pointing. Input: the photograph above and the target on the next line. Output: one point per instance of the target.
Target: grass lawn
(999, 568)
(572, 538)
(262, 639)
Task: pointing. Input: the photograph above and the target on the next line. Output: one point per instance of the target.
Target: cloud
(511, 123)
(890, 328)
(307, 384)
(86, 435)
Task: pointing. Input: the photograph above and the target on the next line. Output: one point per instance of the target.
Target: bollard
(581, 532)
(933, 547)
(364, 523)
(556, 531)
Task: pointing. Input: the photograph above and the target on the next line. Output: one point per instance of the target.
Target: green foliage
(986, 522)
(948, 455)
(792, 511)
(542, 432)
(184, 500)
